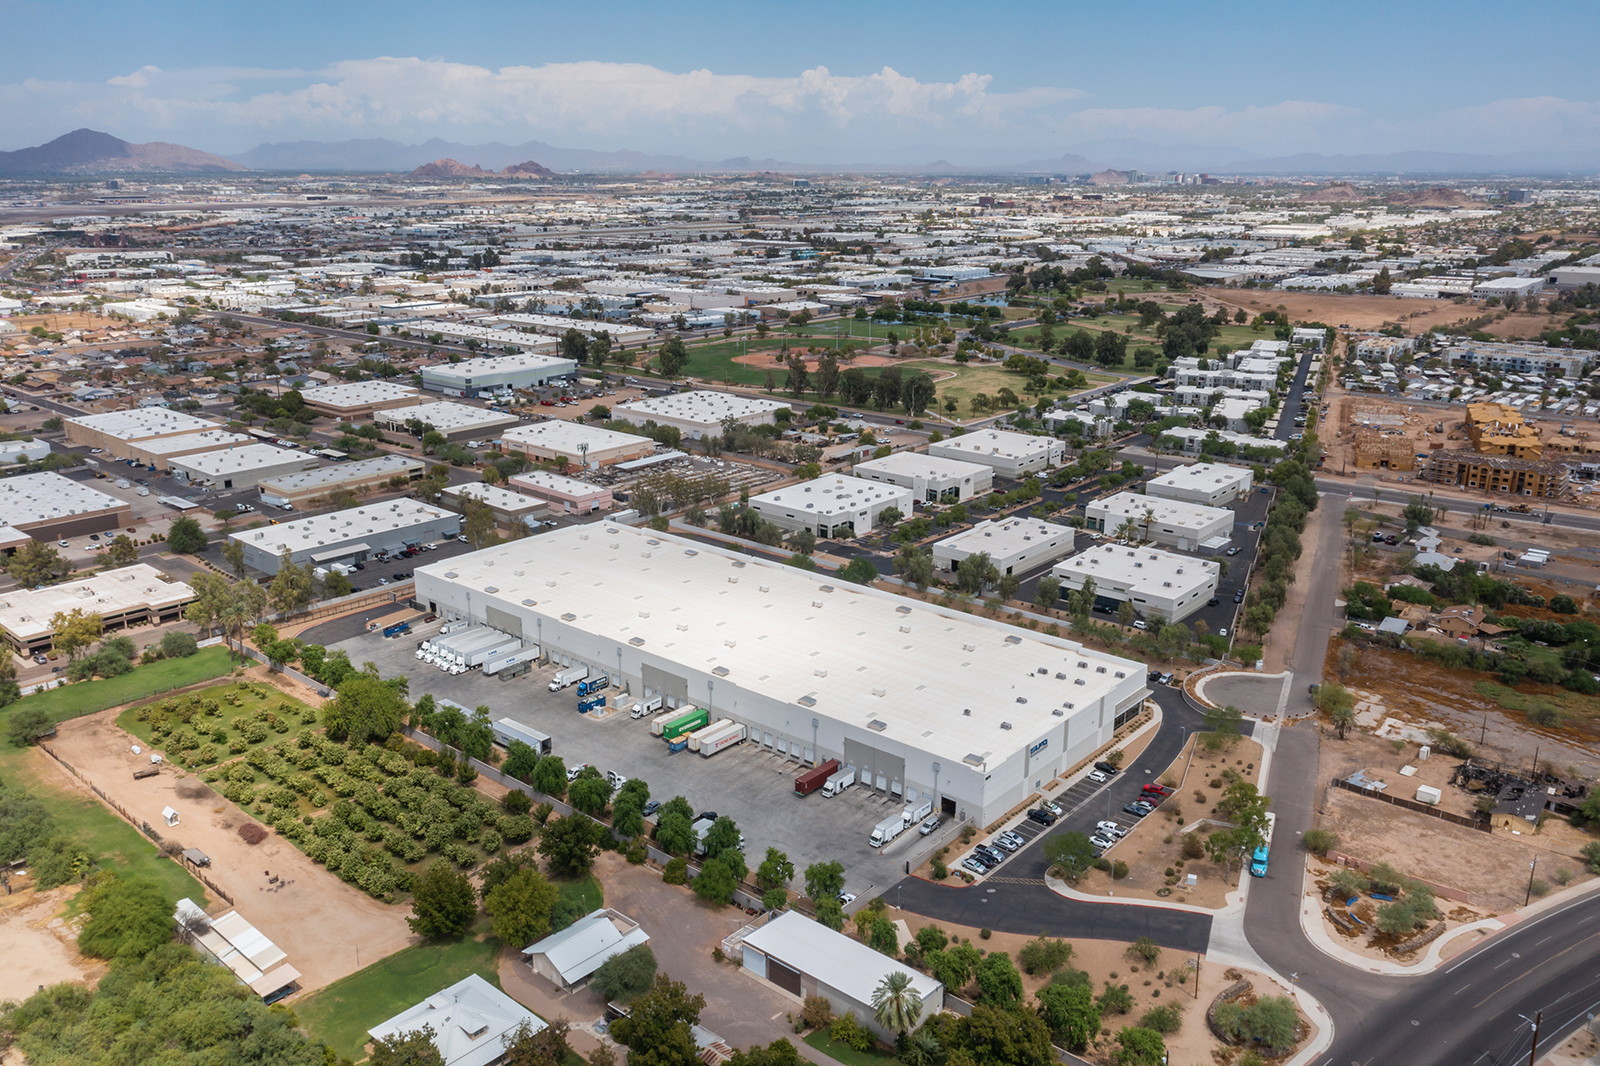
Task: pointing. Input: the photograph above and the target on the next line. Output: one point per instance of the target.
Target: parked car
(975, 864)
(706, 816)
(1097, 777)
(1004, 843)
(1106, 768)
(930, 825)
(1042, 816)
(994, 855)
(1238, 596)
(1053, 807)
(1101, 843)
(1136, 809)
(1235, 550)
(651, 808)
(1016, 838)
(1111, 829)
(574, 771)
(846, 898)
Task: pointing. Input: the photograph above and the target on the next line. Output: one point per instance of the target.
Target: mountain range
(88, 151)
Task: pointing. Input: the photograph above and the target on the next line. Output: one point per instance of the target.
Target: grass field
(577, 899)
(972, 379)
(714, 360)
(86, 697)
(848, 1055)
(341, 1014)
(118, 845)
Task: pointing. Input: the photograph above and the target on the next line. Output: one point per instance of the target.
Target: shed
(568, 958)
(1428, 794)
(169, 815)
(1395, 625)
(196, 857)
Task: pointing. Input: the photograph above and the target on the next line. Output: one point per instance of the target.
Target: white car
(1101, 843)
(573, 772)
(1097, 777)
(1111, 829)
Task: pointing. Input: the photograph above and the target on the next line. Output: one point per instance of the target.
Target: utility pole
(1533, 1056)
(1532, 866)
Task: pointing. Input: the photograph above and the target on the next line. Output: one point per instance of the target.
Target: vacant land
(164, 675)
(962, 381)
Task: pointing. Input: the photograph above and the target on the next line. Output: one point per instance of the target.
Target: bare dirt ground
(1368, 941)
(1151, 986)
(323, 924)
(812, 356)
(1579, 1049)
(40, 948)
(1154, 843)
(1363, 312)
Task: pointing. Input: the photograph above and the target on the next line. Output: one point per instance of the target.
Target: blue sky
(820, 81)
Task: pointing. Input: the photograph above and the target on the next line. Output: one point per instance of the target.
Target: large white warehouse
(1184, 526)
(700, 413)
(832, 505)
(924, 701)
(1012, 455)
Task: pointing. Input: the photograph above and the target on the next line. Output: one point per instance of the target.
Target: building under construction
(1497, 474)
(1374, 448)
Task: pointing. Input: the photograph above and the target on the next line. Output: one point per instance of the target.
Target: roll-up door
(785, 977)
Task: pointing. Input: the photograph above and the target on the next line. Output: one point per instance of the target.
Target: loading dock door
(785, 977)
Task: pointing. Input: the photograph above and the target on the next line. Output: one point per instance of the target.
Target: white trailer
(645, 708)
(916, 812)
(570, 676)
(887, 830)
(840, 781)
(724, 738)
(505, 731)
(504, 646)
(707, 731)
(511, 658)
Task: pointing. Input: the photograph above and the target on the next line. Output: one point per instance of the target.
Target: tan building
(579, 444)
(1497, 474)
(1497, 429)
(160, 451)
(1383, 449)
(355, 400)
(298, 490)
(115, 431)
(138, 593)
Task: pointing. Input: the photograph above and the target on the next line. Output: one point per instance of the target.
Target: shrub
(1116, 999)
(985, 934)
(1044, 956)
(1193, 847)
(1270, 1021)
(676, 872)
(517, 802)
(1319, 841)
(1167, 1019)
(1119, 870)
(848, 1031)
(1144, 948)
(817, 1013)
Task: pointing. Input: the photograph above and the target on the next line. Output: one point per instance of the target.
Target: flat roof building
(1184, 526)
(137, 593)
(355, 400)
(1014, 545)
(567, 494)
(806, 958)
(1157, 583)
(832, 505)
(365, 475)
(352, 534)
(700, 413)
(160, 451)
(815, 667)
(1012, 455)
(489, 373)
(455, 421)
(1206, 484)
(930, 478)
(581, 445)
(112, 432)
(242, 467)
(508, 506)
(46, 506)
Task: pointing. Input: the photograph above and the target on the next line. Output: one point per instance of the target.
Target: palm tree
(896, 1004)
(1127, 531)
(1149, 516)
(922, 1049)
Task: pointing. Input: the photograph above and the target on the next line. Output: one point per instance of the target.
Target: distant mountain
(88, 151)
(390, 156)
(529, 169)
(1337, 193)
(449, 168)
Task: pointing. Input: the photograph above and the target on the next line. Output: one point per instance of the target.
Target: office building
(566, 495)
(1205, 484)
(1184, 526)
(352, 401)
(700, 413)
(496, 373)
(366, 475)
(832, 505)
(241, 467)
(1160, 585)
(930, 478)
(1010, 455)
(453, 421)
(1014, 545)
(138, 593)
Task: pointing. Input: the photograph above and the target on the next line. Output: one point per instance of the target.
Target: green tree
(674, 832)
(1047, 592)
(569, 845)
(1140, 1047)
(186, 537)
(545, 1046)
(1070, 1013)
(550, 777)
(858, 571)
(914, 565)
(28, 724)
(625, 974)
(716, 883)
(75, 630)
(520, 907)
(672, 357)
(775, 871)
(521, 761)
(415, 1048)
(895, 1003)
(176, 645)
(292, 588)
(128, 918)
(1338, 703)
(1223, 724)
(658, 1030)
(122, 551)
(824, 880)
(590, 791)
(1070, 852)
(1270, 1021)
(366, 708)
(998, 980)
(37, 563)
(443, 903)
(976, 573)
(995, 1035)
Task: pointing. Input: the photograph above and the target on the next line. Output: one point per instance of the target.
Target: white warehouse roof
(916, 464)
(356, 393)
(29, 499)
(447, 417)
(831, 494)
(340, 527)
(142, 422)
(845, 964)
(701, 405)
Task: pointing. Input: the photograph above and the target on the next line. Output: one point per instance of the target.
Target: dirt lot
(1153, 846)
(1368, 941)
(1107, 960)
(323, 923)
(1374, 312)
(40, 948)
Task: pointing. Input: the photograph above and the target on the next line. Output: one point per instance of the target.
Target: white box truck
(840, 781)
(916, 812)
(570, 676)
(887, 830)
(645, 708)
(699, 830)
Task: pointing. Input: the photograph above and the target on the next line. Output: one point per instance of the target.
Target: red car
(1157, 790)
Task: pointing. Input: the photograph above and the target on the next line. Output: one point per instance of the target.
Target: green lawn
(341, 1013)
(86, 697)
(578, 898)
(232, 718)
(848, 1055)
(973, 378)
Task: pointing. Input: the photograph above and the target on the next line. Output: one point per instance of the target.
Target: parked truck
(699, 830)
(593, 685)
(916, 812)
(522, 657)
(723, 737)
(685, 721)
(887, 830)
(505, 731)
(570, 676)
(815, 778)
(706, 731)
(840, 781)
(644, 708)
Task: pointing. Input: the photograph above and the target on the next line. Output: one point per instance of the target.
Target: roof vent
(731, 643)
(644, 614)
(1059, 713)
(721, 671)
(1083, 665)
(807, 701)
(733, 579)
(764, 588)
(683, 627)
(491, 589)
(1121, 674)
(816, 603)
(452, 574)
(969, 647)
(1060, 676)
(637, 642)
(1079, 681)
(877, 725)
(966, 712)
(1005, 725)
(549, 582)
(905, 629)
(1099, 669)
(880, 692)
(1042, 670)
(821, 671)
(1013, 640)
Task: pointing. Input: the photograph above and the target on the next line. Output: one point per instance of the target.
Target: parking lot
(752, 786)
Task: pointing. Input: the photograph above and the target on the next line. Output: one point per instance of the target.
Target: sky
(816, 82)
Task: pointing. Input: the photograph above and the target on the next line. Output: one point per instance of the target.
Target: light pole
(1532, 866)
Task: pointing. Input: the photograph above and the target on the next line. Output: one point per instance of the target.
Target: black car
(359, 566)
(1213, 602)
(1238, 597)
(1105, 767)
(1043, 817)
(706, 816)
(1138, 810)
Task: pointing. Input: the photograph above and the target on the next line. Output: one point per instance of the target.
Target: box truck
(699, 830)
(723, 738)
(887, 830)
(645, 708)
(594, 685)
(916, 812)
(685, 721)
(840, 781)
(505, 731)
(815, 778)
(570, 676)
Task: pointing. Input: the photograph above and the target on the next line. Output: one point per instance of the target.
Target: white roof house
(1012, 455)
(568, 958)
(1179, 525)
(832, 505)
(930, 478)
(796, 953)
(700, 413)
(1014, 545)
(470, 1021)
(1207, 484)
(1157, 583)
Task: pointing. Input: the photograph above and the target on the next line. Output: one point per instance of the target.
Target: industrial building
(621, 333)
(366, 475)
(342, 536)
(496, 373)
(242, 467)
(160, 451)
(1157, 583)
(927, 702)
(1205, 484)
(700, 413)
(47, 506)
(470, 1022)
(832, 505)
(581, 445)
(568, 958)
(137, 593)
(1014, 545)
(1011, 455)
(1184, 526)
(355, 400)
(508, 507)
(453, 421)
(568, 494)
(805, 958)
(930, 478)
(23, 451)
(113, 432)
